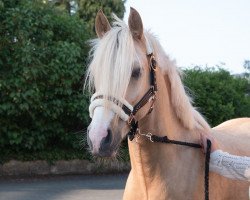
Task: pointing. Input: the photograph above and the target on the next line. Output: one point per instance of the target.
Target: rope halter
(124, 109)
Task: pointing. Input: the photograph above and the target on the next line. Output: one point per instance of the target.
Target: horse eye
(136, 73)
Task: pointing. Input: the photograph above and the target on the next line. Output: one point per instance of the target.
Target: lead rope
(165, 139)
(207, 160)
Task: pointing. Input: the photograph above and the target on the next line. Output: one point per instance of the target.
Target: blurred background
(44, 54)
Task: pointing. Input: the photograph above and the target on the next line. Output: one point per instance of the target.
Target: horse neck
(151, 160)
(163, 119)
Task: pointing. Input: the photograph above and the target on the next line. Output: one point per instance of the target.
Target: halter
(127, 113)
(123, 108)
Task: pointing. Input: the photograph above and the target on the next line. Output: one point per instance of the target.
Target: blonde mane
(112, 61)
(181, 102)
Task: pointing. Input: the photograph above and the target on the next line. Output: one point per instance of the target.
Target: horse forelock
(112, 61)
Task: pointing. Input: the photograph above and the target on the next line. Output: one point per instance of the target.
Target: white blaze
(99, 126)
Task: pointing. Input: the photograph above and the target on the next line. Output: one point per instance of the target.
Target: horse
(122, 77)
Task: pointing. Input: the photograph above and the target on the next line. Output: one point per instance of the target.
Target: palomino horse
(121, 74)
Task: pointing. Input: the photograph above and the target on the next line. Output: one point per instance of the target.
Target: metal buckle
(152, 62)
(150, 109)
(148, 136)
(152, 99)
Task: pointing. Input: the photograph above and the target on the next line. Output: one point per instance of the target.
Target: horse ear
(135, 24)
(102, 25)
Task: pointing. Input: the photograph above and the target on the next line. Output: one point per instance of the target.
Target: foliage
(88, 8)
(43, 51)
(246, 65)
(217, 94)
(70, 6)
(50, 156)
(42, 54)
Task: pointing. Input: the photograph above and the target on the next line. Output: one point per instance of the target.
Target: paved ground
(103, 187)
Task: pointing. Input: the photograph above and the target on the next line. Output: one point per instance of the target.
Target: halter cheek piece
(149, 96)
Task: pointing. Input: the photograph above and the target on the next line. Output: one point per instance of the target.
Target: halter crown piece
(123, 108)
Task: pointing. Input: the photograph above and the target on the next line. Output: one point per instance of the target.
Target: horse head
(119, 73)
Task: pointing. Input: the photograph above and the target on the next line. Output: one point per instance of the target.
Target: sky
(199, 32)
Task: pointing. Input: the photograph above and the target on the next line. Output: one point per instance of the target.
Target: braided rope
(207, 160)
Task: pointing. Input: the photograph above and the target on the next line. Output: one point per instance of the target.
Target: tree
(88, 8)
(70, 6)
(43, 52)
(42, 59)
(247, 65)
(218, 95)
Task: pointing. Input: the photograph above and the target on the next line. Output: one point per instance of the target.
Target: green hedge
(42, 57)
(218, 95)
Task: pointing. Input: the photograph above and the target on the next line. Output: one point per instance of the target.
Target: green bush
(42, 58)
(87, 10)
(218, 95)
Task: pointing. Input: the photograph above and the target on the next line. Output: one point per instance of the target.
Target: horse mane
(182, 103)
(112, 60)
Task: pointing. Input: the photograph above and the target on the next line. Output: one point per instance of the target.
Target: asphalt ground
(77, 187)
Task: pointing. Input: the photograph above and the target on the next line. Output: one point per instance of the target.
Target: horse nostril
(105, 143)
(109, 137)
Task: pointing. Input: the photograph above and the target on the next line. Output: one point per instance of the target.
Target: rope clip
(148, 136)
